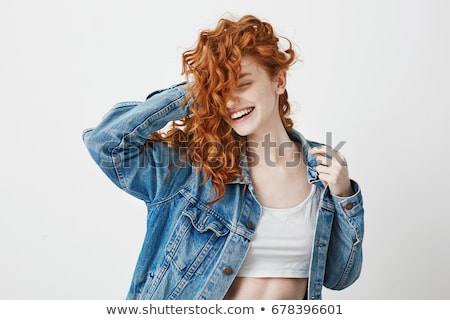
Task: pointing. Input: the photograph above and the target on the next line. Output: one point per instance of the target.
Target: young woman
(240, 205)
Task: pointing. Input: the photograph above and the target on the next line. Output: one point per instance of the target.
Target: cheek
(258, 96)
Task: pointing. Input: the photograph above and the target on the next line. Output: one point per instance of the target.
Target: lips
(241, 113)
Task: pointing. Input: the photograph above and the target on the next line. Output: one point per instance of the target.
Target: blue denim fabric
(192, 249)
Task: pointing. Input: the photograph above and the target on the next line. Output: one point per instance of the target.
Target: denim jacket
(193, 249)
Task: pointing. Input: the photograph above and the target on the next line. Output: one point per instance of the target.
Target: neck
(272, 149)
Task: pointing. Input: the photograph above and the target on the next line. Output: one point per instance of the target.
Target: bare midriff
(245, 288)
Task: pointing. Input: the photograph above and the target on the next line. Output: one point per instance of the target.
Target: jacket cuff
(351, 205)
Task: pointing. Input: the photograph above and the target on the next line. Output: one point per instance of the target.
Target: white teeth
(241, 113)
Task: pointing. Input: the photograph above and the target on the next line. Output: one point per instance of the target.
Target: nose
(232, 101)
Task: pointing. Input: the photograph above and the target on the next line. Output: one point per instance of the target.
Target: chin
(239, 133)
(243, 132)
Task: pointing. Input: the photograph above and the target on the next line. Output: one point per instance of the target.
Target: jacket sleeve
(344, 258)
(116, 143)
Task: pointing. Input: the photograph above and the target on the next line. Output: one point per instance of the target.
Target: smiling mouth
(241, 114)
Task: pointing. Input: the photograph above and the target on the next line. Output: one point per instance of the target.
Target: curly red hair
(212, 68)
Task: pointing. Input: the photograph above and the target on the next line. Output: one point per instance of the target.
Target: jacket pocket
(197, 238)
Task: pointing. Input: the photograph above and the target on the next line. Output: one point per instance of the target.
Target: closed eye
(244, 84)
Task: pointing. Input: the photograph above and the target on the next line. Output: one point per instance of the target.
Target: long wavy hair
(212, 68)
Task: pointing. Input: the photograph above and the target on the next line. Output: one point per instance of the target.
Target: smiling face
(253, 105)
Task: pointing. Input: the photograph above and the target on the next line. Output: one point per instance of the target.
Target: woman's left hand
(333, 171)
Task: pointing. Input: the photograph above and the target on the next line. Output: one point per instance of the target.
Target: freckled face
(253, 108)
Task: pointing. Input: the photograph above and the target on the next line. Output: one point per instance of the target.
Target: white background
(374, 73)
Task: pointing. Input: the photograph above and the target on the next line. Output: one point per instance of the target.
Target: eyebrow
(242, 75)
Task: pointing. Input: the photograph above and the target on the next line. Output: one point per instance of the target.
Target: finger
(323, 174)
(327, 175)
(333, 174)
(323, 160)
(325, 151)
(318, 150)
(339, 160)
(324, 170)
(329, 153)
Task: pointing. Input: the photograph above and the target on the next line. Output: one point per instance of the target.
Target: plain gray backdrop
(373, 73)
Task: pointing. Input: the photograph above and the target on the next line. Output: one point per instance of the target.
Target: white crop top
(283, 241)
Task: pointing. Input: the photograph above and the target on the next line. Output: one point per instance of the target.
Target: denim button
(349, 206)
(227, 271)
(250, 225)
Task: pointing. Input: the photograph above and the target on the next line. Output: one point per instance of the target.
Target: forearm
(128, 125)
(344, 259)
